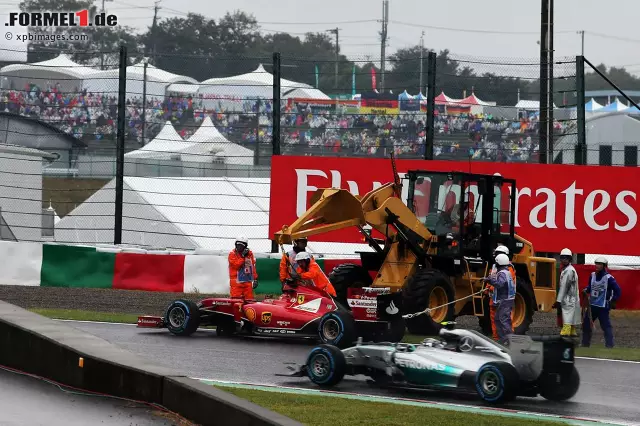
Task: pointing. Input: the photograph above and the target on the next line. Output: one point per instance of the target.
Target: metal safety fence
(174, 151)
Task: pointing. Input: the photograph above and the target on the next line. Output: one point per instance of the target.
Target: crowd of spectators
(305, 131)
(93, 116)
(310, 132)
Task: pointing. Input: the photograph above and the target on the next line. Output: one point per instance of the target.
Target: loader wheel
(523, 307)
(348, 275)
(429, 288)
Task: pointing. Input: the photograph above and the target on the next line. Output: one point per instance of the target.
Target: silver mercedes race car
(462, 360)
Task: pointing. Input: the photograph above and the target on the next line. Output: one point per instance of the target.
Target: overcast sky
(469, 24)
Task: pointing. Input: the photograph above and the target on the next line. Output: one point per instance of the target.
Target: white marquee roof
(136, 72)
(183, 213)
(165, 144)
(60, 64)
(258, 77)
(207, 139)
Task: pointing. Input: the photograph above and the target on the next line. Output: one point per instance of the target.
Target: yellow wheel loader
(434, 249)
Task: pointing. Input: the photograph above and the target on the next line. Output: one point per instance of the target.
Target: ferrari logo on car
(266, 317)
(300, 299)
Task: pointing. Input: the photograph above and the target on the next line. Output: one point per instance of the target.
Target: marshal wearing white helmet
(500, 249)
(603, 292)
(503, 297)
(568, 297)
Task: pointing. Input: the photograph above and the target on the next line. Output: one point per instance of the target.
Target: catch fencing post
(543, 149)
(581, 147)
(276, 104)
(122, 77)
(431, 105)
(275, 110)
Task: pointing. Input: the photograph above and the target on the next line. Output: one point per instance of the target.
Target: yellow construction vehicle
(436, 248)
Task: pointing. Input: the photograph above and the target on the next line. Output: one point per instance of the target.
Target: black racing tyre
(182, 317)
(428, 288)
(497, 382)
(348, 275)
(523, 307)
(326, 365)
(337, 328)
(569, 384)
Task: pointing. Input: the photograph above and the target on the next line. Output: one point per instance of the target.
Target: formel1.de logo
(80, 18)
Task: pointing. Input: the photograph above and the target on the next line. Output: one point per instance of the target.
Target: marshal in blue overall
(603, 291)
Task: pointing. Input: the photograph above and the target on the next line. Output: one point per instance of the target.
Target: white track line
(607, 359)
(133, 325)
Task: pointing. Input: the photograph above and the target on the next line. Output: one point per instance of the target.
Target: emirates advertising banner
(590, 209)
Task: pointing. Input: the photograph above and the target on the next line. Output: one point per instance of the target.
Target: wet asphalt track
(29, 401)
(609, 390)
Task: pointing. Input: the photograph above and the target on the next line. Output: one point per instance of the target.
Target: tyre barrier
(56, 351)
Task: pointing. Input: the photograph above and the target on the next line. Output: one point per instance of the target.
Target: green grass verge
(313, 410)
(596, 351)
(599, 351)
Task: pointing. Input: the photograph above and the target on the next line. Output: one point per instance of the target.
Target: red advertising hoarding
(590, 209)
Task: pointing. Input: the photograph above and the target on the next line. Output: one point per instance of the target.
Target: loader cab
(469, 214)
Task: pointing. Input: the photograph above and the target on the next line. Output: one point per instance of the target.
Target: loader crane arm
(334, 209)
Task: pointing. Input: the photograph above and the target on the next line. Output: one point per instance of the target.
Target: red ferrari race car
(301, 311)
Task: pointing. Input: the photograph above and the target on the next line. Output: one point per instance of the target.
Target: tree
(185, 46)
(201, 48)
(101, 39)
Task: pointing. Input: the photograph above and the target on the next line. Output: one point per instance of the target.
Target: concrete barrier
(52, 349)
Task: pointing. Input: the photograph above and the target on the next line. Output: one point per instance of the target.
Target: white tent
(208, 140)
(60, 69)
(157, 81)
(615, 129)
(167, 144)
(592, 105)
(614, 106)
(530, 105)
(183, 89)
(183, 213)
(231, 92)
(305, 93)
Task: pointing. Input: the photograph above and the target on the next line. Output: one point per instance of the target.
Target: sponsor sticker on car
(362, 303)
(419, 365)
